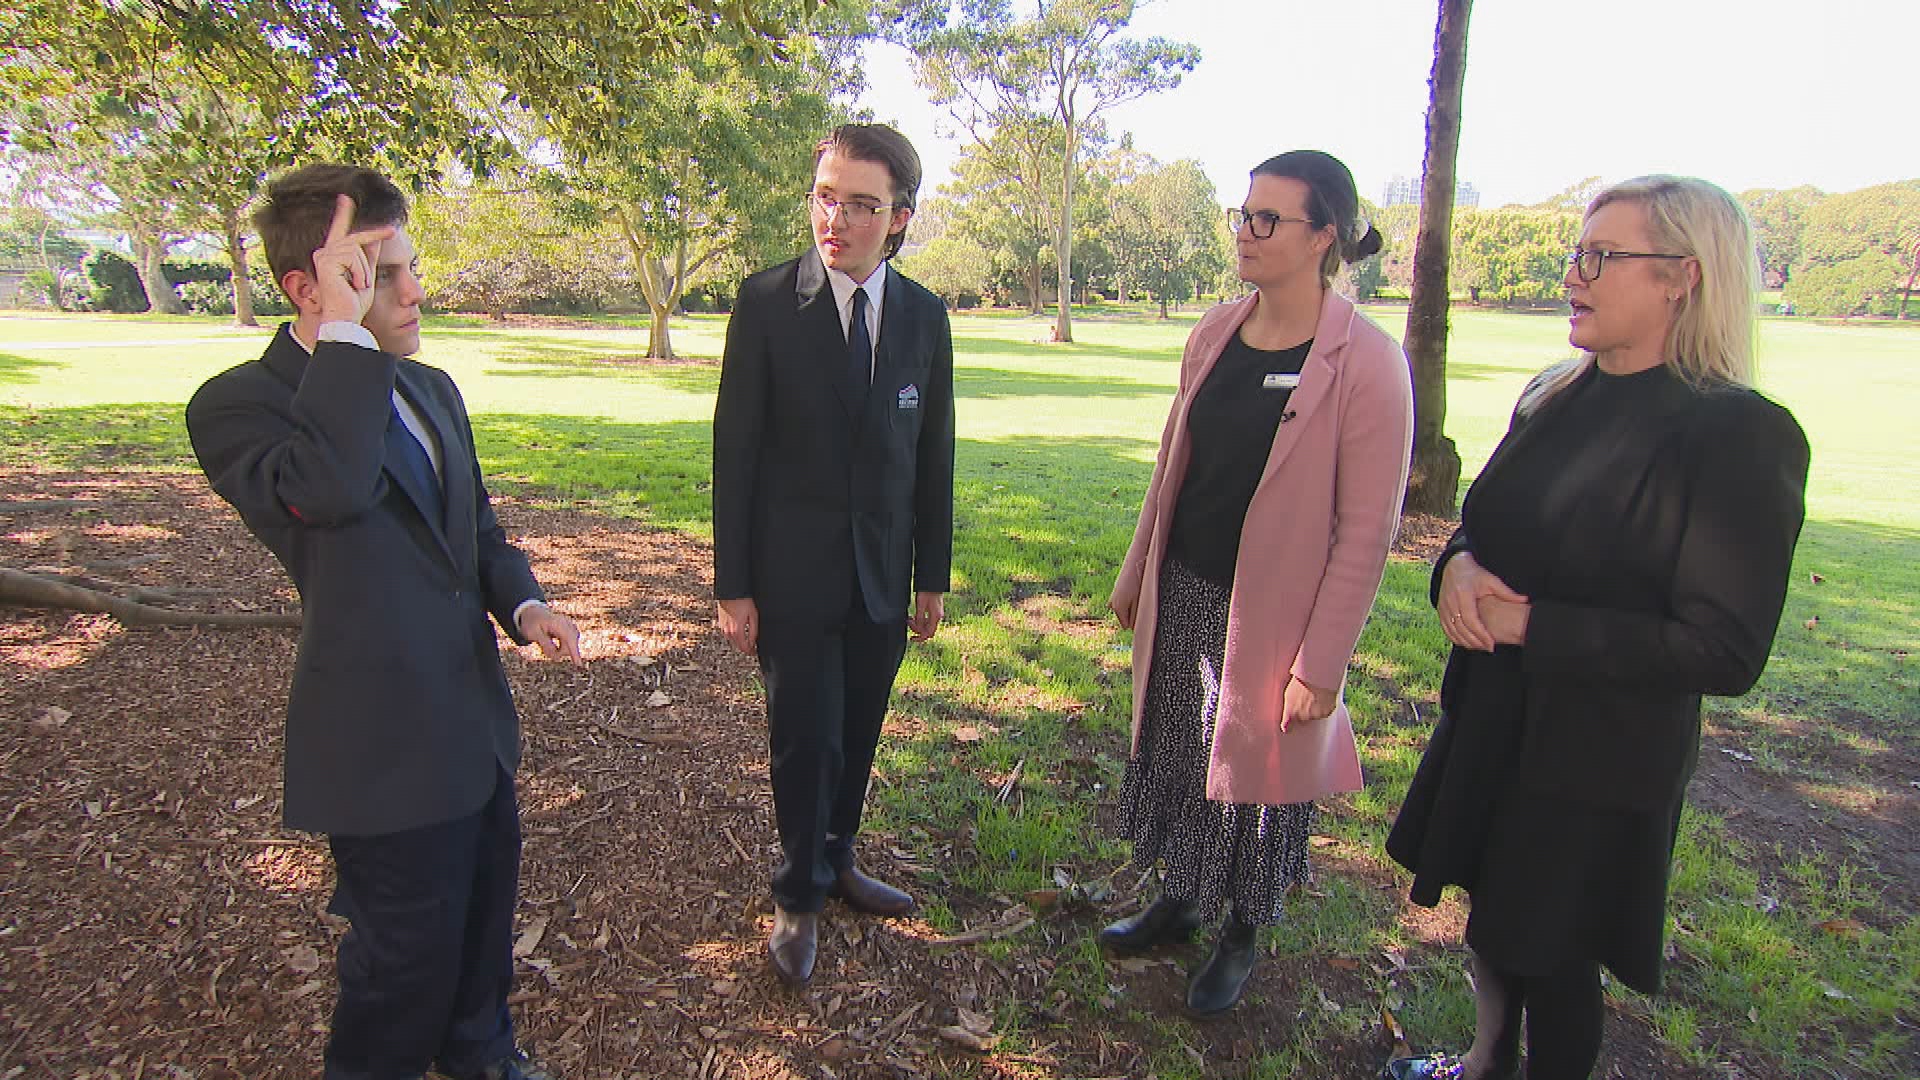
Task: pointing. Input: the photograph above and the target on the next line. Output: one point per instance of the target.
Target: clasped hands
(1478, 610)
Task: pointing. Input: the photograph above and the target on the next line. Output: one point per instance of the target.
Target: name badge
(909, 396)
(1280, 381)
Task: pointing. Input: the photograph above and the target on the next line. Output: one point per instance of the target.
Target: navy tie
(406, 456)
(859, 347)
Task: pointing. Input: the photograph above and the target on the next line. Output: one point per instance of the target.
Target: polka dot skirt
(1214, 853)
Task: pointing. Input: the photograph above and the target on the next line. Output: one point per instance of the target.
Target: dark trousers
(828, 681)
(426, 968)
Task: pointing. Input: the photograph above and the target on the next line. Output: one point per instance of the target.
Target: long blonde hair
(1711, 337)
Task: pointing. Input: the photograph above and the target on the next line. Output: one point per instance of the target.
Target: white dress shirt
(843, 287)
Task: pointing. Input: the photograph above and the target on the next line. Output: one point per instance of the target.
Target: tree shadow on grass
(984, 382)
(701, 375)
(138, 435)
(691, 375)
(1080, 351)
(21, 369)
(1467, 372)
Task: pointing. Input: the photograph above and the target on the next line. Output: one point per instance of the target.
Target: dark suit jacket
(812, 484)
(399, 714)
(1666, 583)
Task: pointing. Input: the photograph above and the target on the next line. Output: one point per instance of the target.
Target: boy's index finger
(342, 218)
(370, 239)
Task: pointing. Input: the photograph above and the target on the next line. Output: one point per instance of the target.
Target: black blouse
(1230, 427)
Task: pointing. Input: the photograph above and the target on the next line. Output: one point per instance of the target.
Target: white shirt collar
(843, 286)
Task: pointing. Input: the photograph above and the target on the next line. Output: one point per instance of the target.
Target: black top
(1651, 526)
(1231, 424)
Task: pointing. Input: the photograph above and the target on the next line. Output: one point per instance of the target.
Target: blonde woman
(1625, 550)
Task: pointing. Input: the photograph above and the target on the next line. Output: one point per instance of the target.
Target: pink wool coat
(1312, 551)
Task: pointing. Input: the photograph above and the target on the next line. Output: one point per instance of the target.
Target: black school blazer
(399, 713)
(813, 483)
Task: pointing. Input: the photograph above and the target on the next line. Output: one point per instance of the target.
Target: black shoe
(869, 896)
(793, 945)
(515, 1066)
(1217, 986)
(1441, 1065)
(1163, 921)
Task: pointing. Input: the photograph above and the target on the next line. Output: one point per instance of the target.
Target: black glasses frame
(1589, 264)
(1239, 217)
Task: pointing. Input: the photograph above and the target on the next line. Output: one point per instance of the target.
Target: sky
(1745, 93)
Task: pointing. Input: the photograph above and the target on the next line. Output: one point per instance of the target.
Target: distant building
(1402, 191)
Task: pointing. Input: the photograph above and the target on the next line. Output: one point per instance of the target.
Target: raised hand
(343, 267)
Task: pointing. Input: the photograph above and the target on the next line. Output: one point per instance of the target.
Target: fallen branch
(31, 590)
(1012, 781)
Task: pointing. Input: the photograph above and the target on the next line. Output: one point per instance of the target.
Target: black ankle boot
(1217, 986)
(1165, 920)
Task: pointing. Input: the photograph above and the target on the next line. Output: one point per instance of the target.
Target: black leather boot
(1217, 986)
(1165, 920)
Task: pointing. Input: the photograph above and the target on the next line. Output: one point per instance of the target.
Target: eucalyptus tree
(1056, 70)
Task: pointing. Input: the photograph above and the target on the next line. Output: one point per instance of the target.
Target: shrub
(114, 284)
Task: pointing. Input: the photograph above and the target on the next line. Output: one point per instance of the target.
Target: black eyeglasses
(1260, 223)
(855, 214)
(1588, 264)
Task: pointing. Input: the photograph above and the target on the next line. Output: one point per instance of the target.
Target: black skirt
(1552, 879)
(1215, 853)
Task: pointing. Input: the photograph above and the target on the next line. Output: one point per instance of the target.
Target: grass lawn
(1801, 955)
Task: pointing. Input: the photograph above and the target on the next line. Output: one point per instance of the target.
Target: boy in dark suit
(356, 468)
(832, 497)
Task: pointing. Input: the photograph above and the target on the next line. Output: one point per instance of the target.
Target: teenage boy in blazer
(356, 468)
(833, 511)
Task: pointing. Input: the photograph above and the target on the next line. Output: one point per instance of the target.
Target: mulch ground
(157, 921)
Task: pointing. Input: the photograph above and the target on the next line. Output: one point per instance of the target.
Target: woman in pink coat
(1261, 542)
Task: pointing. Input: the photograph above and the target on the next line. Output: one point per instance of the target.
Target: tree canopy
(1048, 77)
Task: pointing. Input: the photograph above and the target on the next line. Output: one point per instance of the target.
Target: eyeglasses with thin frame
(856, 214)
(1260, 223)
(1588, 264)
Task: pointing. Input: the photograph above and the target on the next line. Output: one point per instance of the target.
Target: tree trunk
(652, 287)
(1035, 304)
(1433, 485)
(1063, 244)
(659, 331)
(242, 283)
(1163, 306)
(161, 299)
